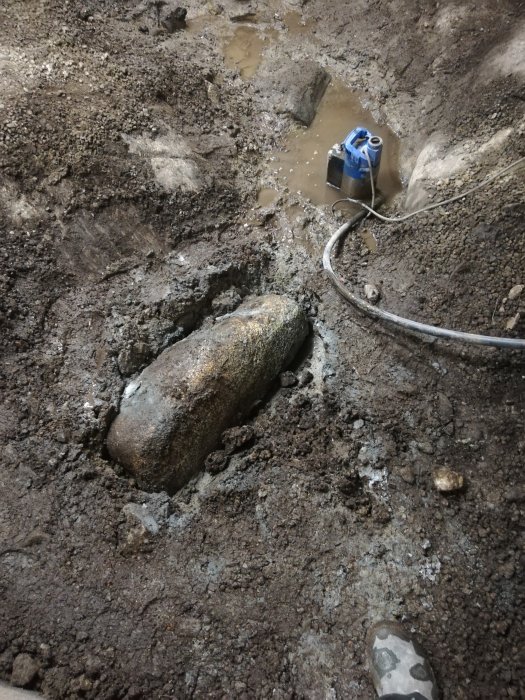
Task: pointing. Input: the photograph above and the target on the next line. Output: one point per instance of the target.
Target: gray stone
(173, 414)
(299, 86)
(24, 671)
(173, 19)
(515, 292)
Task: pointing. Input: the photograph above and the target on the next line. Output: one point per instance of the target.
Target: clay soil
(130, 162)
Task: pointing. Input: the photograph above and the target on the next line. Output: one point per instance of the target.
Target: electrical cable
(400, 321)
(399, 219)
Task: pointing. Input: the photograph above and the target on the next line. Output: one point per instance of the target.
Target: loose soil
(130, 165)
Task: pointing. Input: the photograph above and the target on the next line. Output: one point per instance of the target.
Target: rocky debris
(226, 302)
(447, 480)
(174, 164)
(216, 462)
(237, 438)
(377, 451)
(300, 85)
(287, 379)
(173, 414)
(515, 292)
(173, 19)
(445, 409)
(25, 668)
(139, 528)
(133, 357)
(512, 322)
(372, 293)
(305, 378)
(143, 522)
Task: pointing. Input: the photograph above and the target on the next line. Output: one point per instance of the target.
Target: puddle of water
(267, 196)
(302, 167)
(295, 23)
(369, 239)
(244, 50)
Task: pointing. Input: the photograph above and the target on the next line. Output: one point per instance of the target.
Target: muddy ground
(130, 164)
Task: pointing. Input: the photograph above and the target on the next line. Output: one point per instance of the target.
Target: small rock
(426, 447)
(216, 462)
(515, 494)
(372, 293)
(358, 424)
(138, 530)
(174, 19)
(445, 409)
(407, 474)
(515, 291)
(236, 438)
(287, 379)
(512, 322)
(447, 480)
(24, 671)
(133, 357)
(305, 378)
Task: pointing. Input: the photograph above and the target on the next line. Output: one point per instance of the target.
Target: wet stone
(301, 86)
(173, 414)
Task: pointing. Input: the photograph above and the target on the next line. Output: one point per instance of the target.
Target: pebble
(372, 293)
(287, 379)
(25, 669)
(512, 322)
(447, 480)
(305, 378)
(515, 291)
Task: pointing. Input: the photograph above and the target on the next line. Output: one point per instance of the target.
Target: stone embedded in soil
(515, 291)
(512, 322)
(174, 19)
(372, 293)
(24, 671)
(173, 414)
(300, 86)
(447, 480)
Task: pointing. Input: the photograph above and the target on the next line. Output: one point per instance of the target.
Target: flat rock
(174, 413)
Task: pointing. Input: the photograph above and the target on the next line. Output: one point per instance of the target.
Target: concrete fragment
(173, 414)
(447, 480)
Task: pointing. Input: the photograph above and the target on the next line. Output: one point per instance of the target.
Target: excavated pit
(145, 191)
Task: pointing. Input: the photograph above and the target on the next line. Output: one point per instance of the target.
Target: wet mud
(145, 191)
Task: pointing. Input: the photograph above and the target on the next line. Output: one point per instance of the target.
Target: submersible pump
(352, 163)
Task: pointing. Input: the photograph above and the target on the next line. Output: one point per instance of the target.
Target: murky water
(296, 24)
(302, 166)
(244, 50)
(267, 196)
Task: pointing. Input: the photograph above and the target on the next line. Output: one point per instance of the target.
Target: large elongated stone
(172, 415)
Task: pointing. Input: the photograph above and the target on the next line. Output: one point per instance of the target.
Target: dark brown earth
(130, 162)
